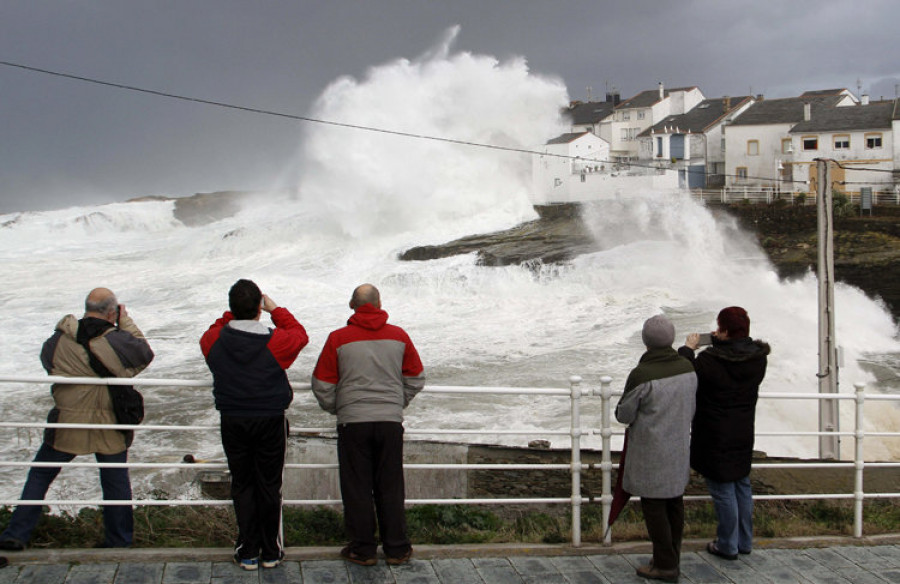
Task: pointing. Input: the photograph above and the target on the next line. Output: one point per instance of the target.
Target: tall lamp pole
(829, 446)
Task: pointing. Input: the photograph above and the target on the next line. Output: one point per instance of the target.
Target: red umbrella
(620, 495)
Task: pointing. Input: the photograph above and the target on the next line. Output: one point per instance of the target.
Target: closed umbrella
(620, 495)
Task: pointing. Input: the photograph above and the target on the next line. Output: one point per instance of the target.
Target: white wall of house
(606, 185)
(852, 149)
(762, 162)
(562, 163)
(715, 153)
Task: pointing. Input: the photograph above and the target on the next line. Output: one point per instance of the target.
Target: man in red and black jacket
(251, 389)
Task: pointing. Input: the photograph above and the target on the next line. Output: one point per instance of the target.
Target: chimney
(865, 99)
(726, 103)
(662, 91)
(760, 97)
(807, 111)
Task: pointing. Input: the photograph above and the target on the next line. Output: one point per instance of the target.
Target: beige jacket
(123, 351)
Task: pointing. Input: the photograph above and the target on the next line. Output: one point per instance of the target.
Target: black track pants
(255, 448)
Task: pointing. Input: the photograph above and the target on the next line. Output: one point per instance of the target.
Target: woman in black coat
(728, 374)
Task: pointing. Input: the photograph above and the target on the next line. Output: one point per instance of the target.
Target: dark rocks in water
(557, 236)
(204, 208)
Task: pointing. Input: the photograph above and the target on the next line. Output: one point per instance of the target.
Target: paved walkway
(776, 562)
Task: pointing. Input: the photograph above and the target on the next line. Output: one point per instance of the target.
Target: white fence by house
(578, 428)
(731, 195)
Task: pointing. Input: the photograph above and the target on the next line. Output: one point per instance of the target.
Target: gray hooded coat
(658, 405)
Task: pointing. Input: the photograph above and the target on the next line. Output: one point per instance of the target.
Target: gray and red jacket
(248, 367)
(368, 371)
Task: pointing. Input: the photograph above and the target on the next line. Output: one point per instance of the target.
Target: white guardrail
(575, 392)
(738, 194)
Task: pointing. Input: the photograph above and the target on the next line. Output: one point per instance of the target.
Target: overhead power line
(274, 113)
(295, 117)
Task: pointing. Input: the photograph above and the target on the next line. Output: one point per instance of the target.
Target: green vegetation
(458, 524)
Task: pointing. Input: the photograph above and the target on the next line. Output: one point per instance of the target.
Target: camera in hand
(705, 339)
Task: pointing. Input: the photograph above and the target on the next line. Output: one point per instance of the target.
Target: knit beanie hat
(734, 321)
(658, 332)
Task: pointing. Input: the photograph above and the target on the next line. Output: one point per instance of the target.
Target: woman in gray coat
(658, 405)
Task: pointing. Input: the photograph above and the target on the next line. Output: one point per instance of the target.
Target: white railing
(755, 194)
(575, 467)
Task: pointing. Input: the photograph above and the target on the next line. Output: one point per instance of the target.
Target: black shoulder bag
(127, 402)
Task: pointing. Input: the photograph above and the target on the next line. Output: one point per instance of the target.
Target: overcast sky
(64, 142)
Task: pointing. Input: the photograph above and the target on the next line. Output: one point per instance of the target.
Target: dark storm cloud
(63, 142)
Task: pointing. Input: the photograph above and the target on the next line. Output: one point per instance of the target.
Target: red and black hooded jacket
(248, 368)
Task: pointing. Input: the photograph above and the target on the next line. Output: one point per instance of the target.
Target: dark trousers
(665, 526)
(255, 448)
(370, 455)
(118, 520)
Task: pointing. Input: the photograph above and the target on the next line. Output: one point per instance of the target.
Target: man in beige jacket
(104, 343)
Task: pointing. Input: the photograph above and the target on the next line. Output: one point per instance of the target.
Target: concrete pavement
(796, 561)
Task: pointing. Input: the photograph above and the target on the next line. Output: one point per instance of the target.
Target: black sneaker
(273, 563)
(11, 544)
(249, 564)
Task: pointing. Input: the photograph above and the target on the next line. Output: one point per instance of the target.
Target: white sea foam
(367, 196)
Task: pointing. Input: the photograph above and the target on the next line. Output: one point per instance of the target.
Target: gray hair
(108, 304)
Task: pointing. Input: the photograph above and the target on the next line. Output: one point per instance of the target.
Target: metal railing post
(606, 458)
(575, 385)
(859, 461)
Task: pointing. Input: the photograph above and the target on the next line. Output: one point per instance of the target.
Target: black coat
(722, 433)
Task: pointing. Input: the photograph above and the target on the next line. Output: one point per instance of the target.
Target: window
(873, 141)
(810, 143)
(642, 114)
(626, 115)
(752, 147)
(629, 134)
(741, 173)
(787, 146)
(841, 141)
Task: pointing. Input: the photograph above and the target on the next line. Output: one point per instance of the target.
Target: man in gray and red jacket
(366, 375)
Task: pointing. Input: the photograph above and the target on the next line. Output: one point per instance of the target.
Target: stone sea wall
(323, 484)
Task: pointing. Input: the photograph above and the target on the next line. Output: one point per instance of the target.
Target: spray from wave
(370, 183)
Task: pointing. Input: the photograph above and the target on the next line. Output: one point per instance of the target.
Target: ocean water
(365, 197)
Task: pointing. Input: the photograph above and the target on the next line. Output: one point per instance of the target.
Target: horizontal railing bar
(294, 431)
(211, 502)
(308, 466)
(810, 433)
(149, 381)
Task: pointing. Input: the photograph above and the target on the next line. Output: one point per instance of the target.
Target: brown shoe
(354, 558)
(400, 560)
(652, 573)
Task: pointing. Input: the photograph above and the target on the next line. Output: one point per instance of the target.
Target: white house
(759, 146)
(692, 142)
(588, 116)
(576, 167)
(635, 115)
(860, 137)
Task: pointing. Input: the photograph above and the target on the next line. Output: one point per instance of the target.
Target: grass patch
(189, 526)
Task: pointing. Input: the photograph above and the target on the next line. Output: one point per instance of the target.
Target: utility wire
(277, 114)
(260, 111)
